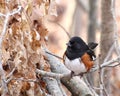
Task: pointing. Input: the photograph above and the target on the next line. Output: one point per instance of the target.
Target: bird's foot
(72, 74)
(81, 74)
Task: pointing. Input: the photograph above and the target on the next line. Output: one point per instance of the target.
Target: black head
(76, 47)
(76, 43)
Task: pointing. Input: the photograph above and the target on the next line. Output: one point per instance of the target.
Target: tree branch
(53, 75)
(67, 33)
(53, 86)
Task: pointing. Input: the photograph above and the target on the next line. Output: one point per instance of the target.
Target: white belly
(75, 65)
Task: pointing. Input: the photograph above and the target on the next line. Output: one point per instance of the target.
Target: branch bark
(107, 34)
(53, 87)
(92, 20)
(92, 29)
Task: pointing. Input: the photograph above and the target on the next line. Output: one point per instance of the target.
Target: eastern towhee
(79, 57)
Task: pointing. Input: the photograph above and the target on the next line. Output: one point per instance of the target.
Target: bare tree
(107, 33)
(107, 38)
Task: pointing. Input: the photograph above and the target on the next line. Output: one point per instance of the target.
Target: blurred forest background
(27, 27)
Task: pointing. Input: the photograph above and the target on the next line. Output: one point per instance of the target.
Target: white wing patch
(76, 65)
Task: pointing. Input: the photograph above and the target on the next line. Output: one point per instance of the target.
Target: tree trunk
(76, 22)
(92, 29)
(92, 20)
(107, 37)
(107, 33)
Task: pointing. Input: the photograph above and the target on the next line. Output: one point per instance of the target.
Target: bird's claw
(80, 74)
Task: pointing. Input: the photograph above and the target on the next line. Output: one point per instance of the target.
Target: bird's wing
(87, 61)
(92, 45)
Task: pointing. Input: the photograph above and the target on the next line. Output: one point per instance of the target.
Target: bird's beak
(68, 44)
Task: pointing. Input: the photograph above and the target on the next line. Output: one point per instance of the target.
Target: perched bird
(79, 57)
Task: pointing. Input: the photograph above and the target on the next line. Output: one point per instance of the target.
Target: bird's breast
(75, 65)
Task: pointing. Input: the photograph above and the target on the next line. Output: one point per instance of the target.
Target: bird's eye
(72, 42)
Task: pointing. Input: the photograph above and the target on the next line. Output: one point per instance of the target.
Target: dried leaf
(25, 86)
(22, 45)
(43, 84)
(15, 87)
(34, 58)
(29, 9)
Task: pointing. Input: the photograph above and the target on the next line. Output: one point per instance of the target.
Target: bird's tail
(92, 45)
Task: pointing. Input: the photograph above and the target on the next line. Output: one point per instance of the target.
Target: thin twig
(113, 65)
(89, 86)
(109, 54)
(2, 15)
(102, 86)
(11, 73)
(3, 78)
(106, 64)
(54, 55)
(64, 30)
(15, 11)
(110, 62)
(67, 33)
